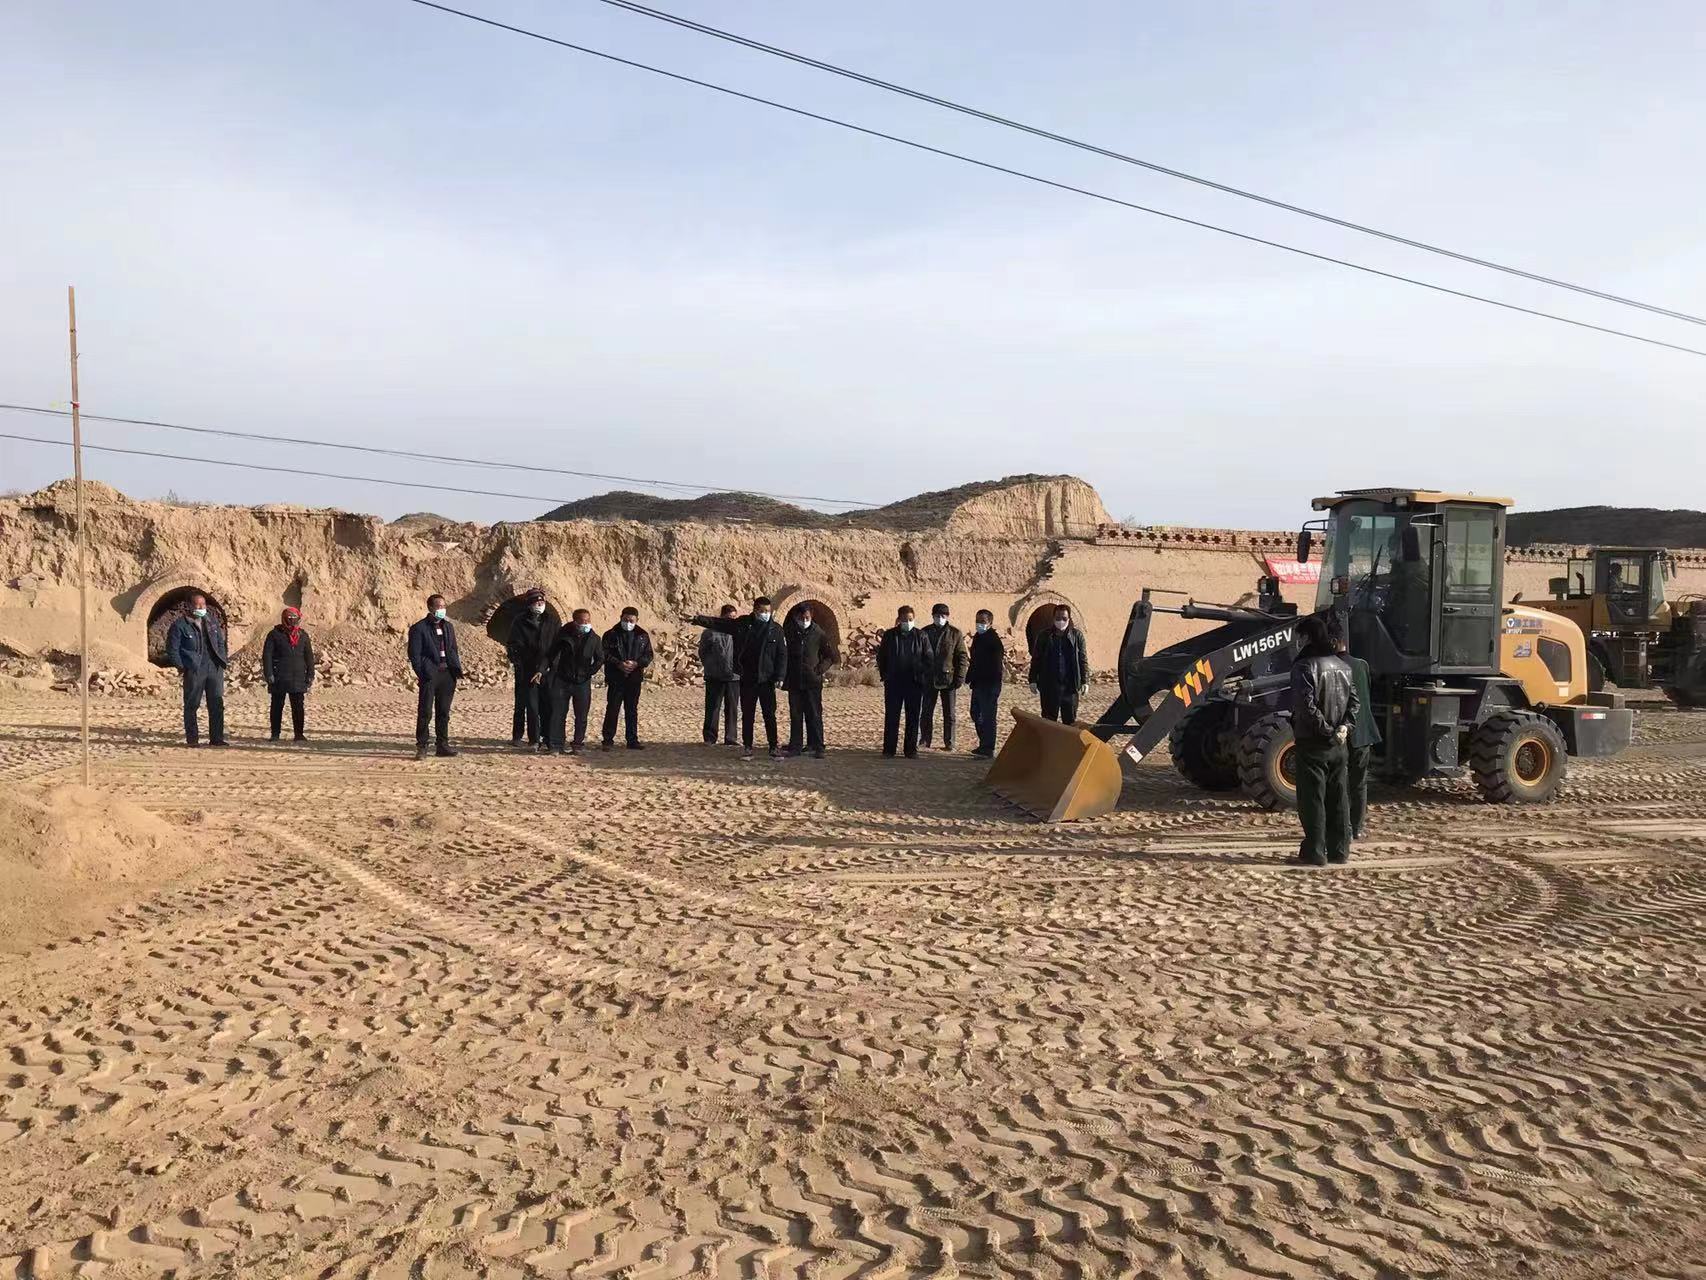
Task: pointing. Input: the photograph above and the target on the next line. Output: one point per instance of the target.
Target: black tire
(1267, 762)
(1204, 750)
(1599, 671)
(1686, 697)
(1518, 757)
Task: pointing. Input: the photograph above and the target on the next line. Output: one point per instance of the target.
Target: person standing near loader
(528, 648)
(1060, 668)
(196, 647)
(1365, 733)
(987, 670)
(904, 657)
(948, 662)
(761, 661)
(437, 665)
(810, 655)
(1323, 711)
(627, 654)
(722, 680)
(287, 667)
(575, 657)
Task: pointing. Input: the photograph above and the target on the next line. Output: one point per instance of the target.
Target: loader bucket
(1055, 772)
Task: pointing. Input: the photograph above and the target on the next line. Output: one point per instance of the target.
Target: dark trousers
(560, 697)
(1356, 778)
(1323, 801)
(899, 699)
(209, 683)
(297, 710)
(1059, 704)
(526, 709)
(624, 696)
(434, 707)
(752, 698)
(721, 695)
(945, 698)
(985, 702)
(805, 711)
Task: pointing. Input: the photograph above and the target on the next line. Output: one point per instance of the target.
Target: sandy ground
(666, 1014)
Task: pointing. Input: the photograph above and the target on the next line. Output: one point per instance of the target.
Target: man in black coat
(1324, 707)
(810, 654)
(529, 645)
(988, 668)
(761, 659)
(438, 666)
(196, 646)
(904, 657)
(627, 654)
(575, 657)
(287, 667)
(948, 661)
(1060, 668)
(1365, 733)
(722, 681)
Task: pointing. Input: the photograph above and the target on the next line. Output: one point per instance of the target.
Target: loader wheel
(1204, 750)
(1685, 697)
(1517, 757)
(1267, 762)
(1598, 671)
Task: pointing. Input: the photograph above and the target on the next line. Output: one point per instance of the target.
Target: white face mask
(906, 624)
(982, 627)
(538, 606)
(439, 614)
(804, 623)
(584, 627)
(763, 615)
(628, 624)
(1061, 624)
(941, 619)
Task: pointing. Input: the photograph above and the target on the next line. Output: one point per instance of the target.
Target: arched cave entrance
(1042, 618)
(822, 616)
(504, 616)
(168, 609)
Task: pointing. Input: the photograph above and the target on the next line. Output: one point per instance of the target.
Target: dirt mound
(1607, 526)
(68, 853)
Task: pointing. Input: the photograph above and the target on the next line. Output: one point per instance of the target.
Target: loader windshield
(1383, 562)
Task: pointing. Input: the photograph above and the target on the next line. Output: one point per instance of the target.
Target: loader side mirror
(1303, 541)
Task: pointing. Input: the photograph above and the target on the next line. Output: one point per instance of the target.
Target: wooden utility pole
(82, 533)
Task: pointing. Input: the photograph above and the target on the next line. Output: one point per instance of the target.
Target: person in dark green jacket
(1365, 733)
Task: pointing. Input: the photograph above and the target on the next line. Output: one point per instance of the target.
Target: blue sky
(371, 222)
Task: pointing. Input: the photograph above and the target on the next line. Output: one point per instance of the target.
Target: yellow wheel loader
(1459, 681)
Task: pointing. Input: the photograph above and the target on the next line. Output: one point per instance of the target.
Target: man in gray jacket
(948, 662)
(722, 681)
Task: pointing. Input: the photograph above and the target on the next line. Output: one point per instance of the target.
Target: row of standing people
(745, 659)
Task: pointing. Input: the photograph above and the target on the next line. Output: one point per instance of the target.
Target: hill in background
(1607, 526)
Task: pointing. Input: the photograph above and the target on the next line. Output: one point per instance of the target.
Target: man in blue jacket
(437, 666)
(196, 647)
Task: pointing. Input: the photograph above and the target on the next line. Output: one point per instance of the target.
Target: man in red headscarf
(287, 666)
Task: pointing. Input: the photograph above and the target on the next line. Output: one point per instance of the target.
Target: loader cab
(1420, 574)
(1626, 586)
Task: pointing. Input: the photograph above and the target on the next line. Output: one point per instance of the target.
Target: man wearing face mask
(438, 666)
(287, 666)
(810, 654)
(1060, 668)
(761, 660)
(574, 660)
(528, 647)
(627, 654)
(904, 658)
(722, 680)
(196, 646)
(948, 663)
(985, 674)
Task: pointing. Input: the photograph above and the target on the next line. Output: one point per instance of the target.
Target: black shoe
(818, 754)
(606, 746)
(912, 755)
(543, 748)
(776, 753)
(564, 751)
(746, 753)
(1308, 860)
(1357, 834)
(791, 752)
(191, 746)
(515, 744)
(420, 753)
(1339, 860)
(301, 737)
(983, 753)
(219, 742)
(888, 755)
(575, 748)
(731, 743)
(274, 739)
(636, 746)
(446, 752)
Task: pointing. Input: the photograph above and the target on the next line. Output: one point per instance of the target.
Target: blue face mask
(584, 627)
(200, 613)
(440, 614)
(982, 627)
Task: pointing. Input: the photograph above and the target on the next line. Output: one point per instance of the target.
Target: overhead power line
(1027, 176)
(1049, 135)
(448, 459)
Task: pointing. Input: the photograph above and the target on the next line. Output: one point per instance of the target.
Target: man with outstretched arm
(438, 666)
(627, 654)
(722, 679)
(575, 657)
(761, 661)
